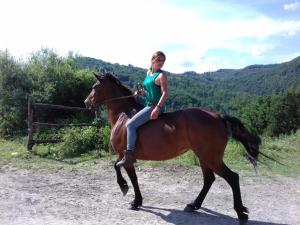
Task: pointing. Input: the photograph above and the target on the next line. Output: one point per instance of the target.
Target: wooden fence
(32, 125)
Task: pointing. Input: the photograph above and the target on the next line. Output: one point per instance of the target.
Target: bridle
(118, 98)
(140, 91)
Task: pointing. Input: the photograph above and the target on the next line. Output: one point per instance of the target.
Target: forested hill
(253, 80)
(259, 79)
(265, 97)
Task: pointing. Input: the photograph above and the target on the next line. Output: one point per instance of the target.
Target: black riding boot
(127, 159)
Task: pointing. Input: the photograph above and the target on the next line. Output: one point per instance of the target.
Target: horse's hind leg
(138, 199)
(208, 177)
(120, 180)
(233, 180)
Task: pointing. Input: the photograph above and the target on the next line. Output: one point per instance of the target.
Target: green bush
(78, 142)
(105, 139)
(271, 115)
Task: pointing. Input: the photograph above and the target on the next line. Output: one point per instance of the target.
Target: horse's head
(98, 93)
(106, 87)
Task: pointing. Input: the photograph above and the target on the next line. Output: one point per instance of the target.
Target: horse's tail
(238, 131)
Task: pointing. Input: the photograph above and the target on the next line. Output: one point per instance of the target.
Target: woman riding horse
(155, 84)
(172, 134)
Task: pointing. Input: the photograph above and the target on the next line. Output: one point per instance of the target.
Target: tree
(284, 113)
(15, 86)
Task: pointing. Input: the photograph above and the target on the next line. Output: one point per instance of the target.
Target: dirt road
(87, 194)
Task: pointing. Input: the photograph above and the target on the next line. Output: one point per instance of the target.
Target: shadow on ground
(203, 217)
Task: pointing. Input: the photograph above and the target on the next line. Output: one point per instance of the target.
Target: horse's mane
(114, 79)
(125, 90)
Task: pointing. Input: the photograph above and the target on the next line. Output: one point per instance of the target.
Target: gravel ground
(87, 194)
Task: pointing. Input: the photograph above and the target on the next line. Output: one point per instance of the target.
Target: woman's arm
(163, 82)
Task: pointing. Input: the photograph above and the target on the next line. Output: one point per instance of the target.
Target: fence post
(30, 142)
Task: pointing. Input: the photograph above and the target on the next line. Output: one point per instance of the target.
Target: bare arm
(162, 81)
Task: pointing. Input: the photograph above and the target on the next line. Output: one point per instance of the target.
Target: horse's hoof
(243, 215)
(135, 204)
(189, 208)
(132, 207)
(125, 189)
(243, 222)
(243, 219)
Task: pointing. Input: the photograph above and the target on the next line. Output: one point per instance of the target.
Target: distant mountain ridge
(253, 79)
(264, 79)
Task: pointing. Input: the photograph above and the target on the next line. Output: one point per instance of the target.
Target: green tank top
(153, 93)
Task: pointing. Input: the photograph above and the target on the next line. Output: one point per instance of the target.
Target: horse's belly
(161, 142)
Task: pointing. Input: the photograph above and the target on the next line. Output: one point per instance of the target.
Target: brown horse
(172, 134)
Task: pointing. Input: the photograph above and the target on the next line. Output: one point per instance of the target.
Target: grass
(49, 151)
(14, 155)
(12, 149)
(285, 149)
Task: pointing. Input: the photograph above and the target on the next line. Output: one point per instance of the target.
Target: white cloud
(258, 50)
(128, 32)
(292, 6)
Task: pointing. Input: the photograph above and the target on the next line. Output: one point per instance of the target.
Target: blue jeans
(133, 123)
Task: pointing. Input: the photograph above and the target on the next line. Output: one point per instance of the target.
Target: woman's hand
(154, 113)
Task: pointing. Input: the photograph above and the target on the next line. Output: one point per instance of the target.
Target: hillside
(213, 90)
(253, 79)
(262, 79)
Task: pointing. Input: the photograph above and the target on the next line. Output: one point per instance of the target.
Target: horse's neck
(115, 109)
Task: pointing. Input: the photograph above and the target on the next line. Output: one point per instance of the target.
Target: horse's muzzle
(88, 104)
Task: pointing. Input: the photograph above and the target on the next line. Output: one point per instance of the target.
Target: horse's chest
(118, 136)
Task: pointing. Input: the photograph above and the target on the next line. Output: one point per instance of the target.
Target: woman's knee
(129, 124)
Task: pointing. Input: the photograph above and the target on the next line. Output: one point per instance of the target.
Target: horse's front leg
(120, 180)
(138, 199)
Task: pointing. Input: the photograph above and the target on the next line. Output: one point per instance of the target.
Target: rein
(140, 90)
(118, 98)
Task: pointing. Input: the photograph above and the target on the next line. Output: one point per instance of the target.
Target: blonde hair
(155, 56)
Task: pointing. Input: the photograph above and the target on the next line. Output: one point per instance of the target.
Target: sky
(195, 35)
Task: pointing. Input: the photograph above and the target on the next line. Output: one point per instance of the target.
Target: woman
(155, 84)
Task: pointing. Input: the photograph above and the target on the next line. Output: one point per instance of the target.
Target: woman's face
(158, 62)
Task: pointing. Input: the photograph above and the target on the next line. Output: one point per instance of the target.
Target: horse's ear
(102, 71)
(98, 77)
